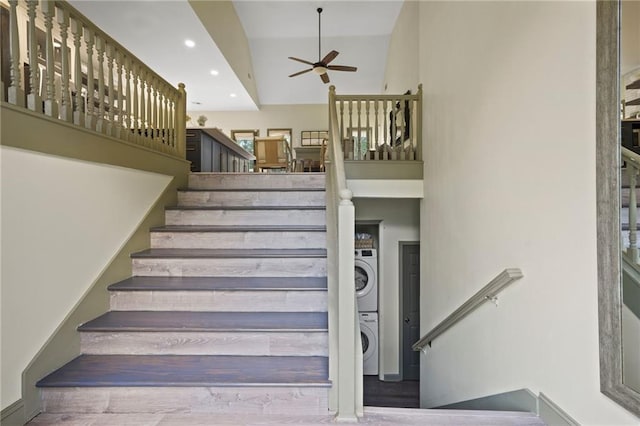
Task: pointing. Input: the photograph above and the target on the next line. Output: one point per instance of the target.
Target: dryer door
(369, 342)
(364, 278)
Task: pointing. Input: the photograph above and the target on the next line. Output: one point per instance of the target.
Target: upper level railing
(62, 66)
(345, 347)
(380, 127)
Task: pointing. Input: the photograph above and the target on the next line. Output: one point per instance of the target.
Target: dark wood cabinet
(210, 150)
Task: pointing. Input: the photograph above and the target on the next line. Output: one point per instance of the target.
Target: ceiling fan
(322, 66)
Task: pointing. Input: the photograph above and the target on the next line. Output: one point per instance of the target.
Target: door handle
(407, 320)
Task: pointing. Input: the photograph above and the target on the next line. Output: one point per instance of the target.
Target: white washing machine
(366, 270)
(369, 336)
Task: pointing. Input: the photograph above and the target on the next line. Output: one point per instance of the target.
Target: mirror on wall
(630, 129)
(618, 170)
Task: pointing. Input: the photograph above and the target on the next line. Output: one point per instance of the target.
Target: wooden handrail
(488, 292)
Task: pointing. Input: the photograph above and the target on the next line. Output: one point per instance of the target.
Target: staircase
(225, 314)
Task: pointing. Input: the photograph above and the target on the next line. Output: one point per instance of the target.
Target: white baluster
(350, 133)
(154, 108)
(34, 101)
(149, 132)
(403, 126)
(113, 100)
(418, 124)
(386, 126)
(90, 121)
(78, 114)
(135, 121)
(100, 48)
(633, 213)
(368, 130)
(376, 131)
(16, 94)
(165, 121)
(50, 103)
(63, 22)
(128, 108)
(358, 147)
(118, 125)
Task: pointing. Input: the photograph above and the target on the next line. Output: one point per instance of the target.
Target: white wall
(399, 222)
(62, 222)
(509, 150)
(295, 117)
(401, 72)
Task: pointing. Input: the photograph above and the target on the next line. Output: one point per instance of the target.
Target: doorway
(409, 309)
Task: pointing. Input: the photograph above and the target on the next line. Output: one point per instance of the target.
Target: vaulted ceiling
(155, 31)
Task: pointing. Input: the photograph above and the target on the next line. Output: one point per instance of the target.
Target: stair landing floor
(372, 416)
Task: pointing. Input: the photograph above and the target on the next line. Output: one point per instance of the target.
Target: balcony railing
(62, 66)
(380, 127)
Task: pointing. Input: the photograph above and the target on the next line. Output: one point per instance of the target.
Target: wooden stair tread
(142, 283)
(271, 189)
(229, 253)
(240, 228)
(267, 208)
(207, 321)
(189, 370)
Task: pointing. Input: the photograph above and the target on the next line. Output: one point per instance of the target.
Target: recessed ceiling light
(233, 95)
(214, 72)
(189, 43)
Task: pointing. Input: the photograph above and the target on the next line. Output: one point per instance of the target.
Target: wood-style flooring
(188, 370)
(403, 394)
(372, 416)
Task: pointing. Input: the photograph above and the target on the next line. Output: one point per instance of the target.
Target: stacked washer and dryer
(366, 279)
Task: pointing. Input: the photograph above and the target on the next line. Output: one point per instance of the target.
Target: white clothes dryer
(369, 336)
(366, 279)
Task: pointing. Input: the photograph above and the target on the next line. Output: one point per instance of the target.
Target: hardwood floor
(403, 394)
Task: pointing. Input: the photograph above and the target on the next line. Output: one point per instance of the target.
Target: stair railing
(380, 127)
(632, 162)
(64, 67)
(345, 345)
(487, 293)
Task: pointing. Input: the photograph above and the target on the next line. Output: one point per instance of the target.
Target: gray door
(410, 310)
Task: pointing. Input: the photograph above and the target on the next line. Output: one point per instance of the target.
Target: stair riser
(251, 198)
(245, 217)
(256, 180)
(238, 240)
(221, 301)
(205, 343)
(223, 267)
(151, 400)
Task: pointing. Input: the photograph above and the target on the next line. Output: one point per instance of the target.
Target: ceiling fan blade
(330, 56)
(301, 72)
(341, 68)
(301, 60)
(325, 78)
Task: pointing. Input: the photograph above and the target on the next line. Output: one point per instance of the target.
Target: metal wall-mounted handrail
(488, 293)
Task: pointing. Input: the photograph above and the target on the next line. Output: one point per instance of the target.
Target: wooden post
(78, 113)
(50, 102)
(181, 122)
(16, 94)
(34, 101)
